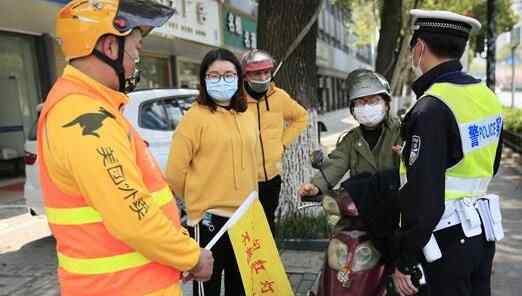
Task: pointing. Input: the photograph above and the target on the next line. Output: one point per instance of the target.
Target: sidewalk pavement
(12, 201)
(508, 258)
(337, 122)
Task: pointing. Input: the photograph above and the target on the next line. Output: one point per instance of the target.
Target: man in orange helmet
(113, 216)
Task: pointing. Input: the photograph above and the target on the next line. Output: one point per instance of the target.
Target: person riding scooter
(367, 218)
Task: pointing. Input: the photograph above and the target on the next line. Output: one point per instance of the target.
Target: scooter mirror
(317, 159)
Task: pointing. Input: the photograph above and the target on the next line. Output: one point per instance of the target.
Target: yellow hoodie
(212, 161)
(271, 113)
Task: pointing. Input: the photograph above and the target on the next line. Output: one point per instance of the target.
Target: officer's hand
(203, 270)
(308, 189)
(403, 283)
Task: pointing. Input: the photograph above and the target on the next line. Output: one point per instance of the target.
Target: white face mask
(416, 68)
(370, 115)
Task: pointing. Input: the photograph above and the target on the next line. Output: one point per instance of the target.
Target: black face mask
(125, 85)
(253, 93)
(132, 82)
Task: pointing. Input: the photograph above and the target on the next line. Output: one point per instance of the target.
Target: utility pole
(515, 41)
(491, 35)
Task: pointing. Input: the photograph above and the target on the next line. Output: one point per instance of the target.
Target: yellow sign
(261, 268)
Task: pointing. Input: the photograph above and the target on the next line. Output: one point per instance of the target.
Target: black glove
(376, 199)
(359, 186)
(415, 271)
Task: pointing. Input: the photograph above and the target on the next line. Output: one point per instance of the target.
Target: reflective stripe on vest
(110, 264)
(456, 187)
(85, 215)
(478, 113)
(76, 216)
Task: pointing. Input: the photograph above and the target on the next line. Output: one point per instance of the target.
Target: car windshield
(164, 114)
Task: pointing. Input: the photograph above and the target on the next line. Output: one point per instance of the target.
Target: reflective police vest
(479, 117)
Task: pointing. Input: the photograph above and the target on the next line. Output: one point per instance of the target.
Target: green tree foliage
(513, 119)
(365, 19)
(365, 23)
(506, 16)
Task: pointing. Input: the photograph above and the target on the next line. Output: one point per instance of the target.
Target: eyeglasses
(215, 77)
(374, 100)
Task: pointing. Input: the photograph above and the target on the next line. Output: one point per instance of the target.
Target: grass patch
(513, 119)
(302, 226)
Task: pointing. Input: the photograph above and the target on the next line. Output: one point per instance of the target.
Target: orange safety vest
(91, 261)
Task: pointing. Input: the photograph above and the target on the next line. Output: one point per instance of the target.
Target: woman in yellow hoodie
(212, 162)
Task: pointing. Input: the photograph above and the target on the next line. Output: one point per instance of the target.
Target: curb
(317, 245)
(514, 157)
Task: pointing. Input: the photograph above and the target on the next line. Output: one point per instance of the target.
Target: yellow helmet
(80, 23)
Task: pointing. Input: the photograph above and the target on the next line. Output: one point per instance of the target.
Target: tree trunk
(279, 23)
(401, 69)
(389, 33)
(492, 39)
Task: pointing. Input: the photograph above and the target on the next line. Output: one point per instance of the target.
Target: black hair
(442, 45)
(238, 101)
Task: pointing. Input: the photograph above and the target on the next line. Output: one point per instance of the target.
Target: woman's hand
(308, 189)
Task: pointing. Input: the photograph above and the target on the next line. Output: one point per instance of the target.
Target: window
(153, 116)
(174, 112)
(164, 114)
(154, 73)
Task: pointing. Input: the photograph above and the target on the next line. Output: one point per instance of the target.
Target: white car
(154, 114)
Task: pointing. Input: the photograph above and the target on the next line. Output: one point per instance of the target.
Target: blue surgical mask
(221, 91)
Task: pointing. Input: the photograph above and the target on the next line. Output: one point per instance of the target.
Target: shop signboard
(239, 31)
(248, 7)
(193, 20)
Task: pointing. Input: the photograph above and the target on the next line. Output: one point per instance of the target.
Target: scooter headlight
(337, 254)
(330, 206)
(366, 257)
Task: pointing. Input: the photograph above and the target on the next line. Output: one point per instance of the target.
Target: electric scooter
(353, 266)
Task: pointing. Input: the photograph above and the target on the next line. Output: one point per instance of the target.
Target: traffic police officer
(452, 150)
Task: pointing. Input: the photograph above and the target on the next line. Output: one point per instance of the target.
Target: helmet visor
(143, 14)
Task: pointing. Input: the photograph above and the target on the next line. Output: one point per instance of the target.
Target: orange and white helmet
(256, 60)
(80, 23)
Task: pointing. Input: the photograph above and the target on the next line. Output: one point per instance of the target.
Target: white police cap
(443, 22)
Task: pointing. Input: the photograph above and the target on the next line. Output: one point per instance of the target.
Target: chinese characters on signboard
(192, 20)
(239, 31)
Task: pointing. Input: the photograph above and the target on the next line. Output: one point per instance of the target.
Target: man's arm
(337, 164)
(296, 118)
(425, 155)
(185, 143)
(178, 163)
(104, 170)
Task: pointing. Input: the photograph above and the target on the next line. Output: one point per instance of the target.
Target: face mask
(132, 82)
(259, 86)
(370, 115)
(221, 90)
(416, 68)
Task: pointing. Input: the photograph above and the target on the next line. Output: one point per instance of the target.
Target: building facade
(336, 57)
(31, 60)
